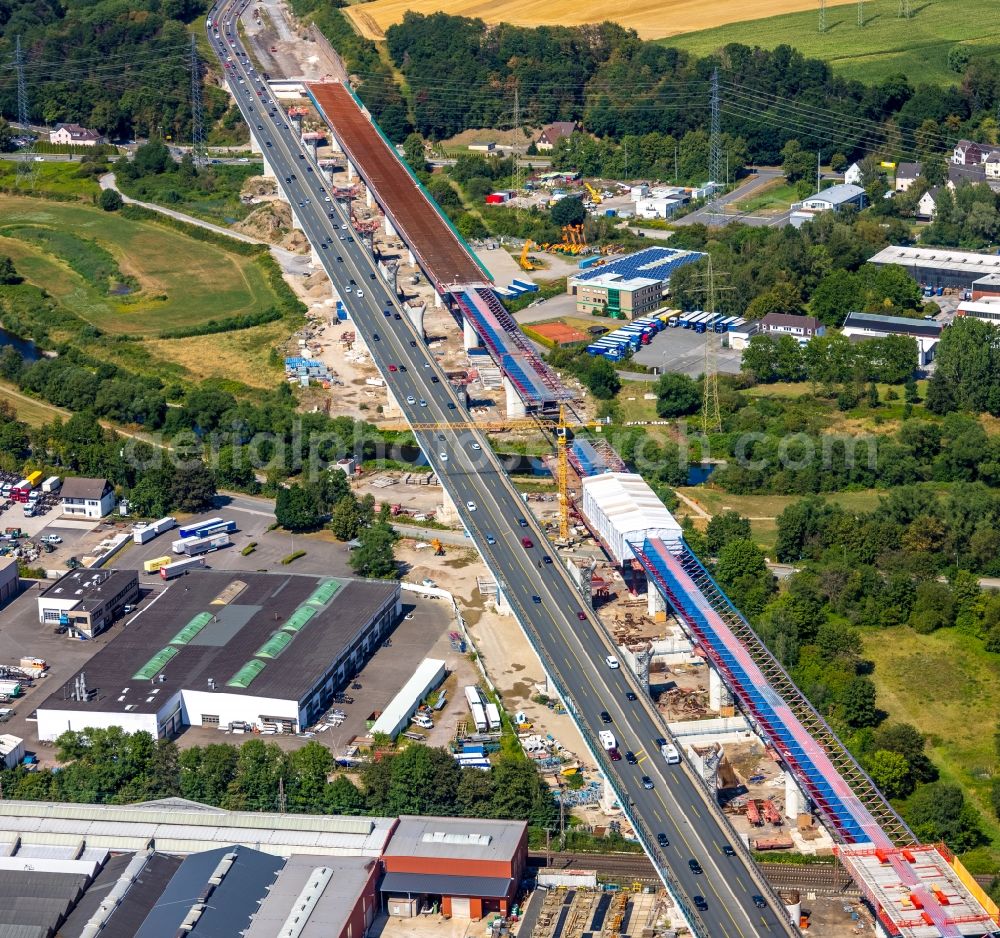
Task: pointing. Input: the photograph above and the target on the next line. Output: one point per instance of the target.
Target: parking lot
(683, 351)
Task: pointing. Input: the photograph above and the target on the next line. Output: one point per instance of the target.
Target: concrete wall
(52, 722)
(234, 708)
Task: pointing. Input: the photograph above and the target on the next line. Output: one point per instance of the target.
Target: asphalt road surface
(572, 642)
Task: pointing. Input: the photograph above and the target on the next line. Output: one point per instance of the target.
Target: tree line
(110, 766)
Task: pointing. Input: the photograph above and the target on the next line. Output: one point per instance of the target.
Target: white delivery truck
(608, 740)
(670, 753)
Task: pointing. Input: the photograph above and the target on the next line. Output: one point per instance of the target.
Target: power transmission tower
(25, 173)
(904, 9)
(861, 13)
(822, 16)
(517, 173)
(715, 144)
(198, 152)
(711, 419)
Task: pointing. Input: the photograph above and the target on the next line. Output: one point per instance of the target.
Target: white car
(471, 506)
(443, 457)
(51, 539)
(612, 662)
(411, 400)
(476, 446)
(361, 292)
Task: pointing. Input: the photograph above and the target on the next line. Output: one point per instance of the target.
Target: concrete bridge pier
(656, 605)
(410, 259)
(447, 513)
(502, 606)
(415, 313)
(719, 697)
(350, 171)
(515, 406)
(438, 300)
(391, 408)
(369, 201)
(469, 335)
(390, 231)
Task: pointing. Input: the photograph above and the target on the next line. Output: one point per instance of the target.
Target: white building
(906, 175)
(86, 602)
(621, 507)
(11, 750)
(833, 199)
(240, 651)
(926, 332)
(392, 720)
(852, 175)
(87, 498)
(76, 135)
(987, 309)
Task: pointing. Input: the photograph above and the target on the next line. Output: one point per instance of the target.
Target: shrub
(292, 557)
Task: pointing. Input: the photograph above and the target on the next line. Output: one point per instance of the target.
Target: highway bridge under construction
(917, 891)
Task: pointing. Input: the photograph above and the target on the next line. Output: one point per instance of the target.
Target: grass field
(181, 281)
(917, 47)
(957, 709)
(32, 412)
(651, 19)
(57, 178)
(776, 197)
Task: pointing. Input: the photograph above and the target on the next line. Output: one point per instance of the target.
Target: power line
(198, 151)
(822, 16)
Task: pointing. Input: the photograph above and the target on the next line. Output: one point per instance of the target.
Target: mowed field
(651, 19)
(918, 47)
(179, 281)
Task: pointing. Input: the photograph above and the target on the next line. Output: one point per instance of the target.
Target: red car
(527, 542)
(392, 368)
(615, 755)
(581, 616)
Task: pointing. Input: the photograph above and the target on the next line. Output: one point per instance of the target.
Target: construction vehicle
(595, 196)
(525, 261)
(564, 431)
(438, 547)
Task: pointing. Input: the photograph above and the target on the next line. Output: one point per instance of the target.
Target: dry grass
(651, 19)
(32, 412)
(240, 355)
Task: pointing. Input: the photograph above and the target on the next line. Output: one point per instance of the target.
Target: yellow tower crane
(564, 430)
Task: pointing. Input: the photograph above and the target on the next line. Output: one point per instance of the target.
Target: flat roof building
(86, 602)
(926, 332)
(254, 650)
(986, 287)
(472, 866)
(629, 287)
(945, 267)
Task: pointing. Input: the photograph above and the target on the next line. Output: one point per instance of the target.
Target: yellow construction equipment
(525, 260)
(564, 431)
(595, 196)
(438, 547)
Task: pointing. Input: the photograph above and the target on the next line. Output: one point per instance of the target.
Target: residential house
(992, 164)
(802, 328)
(553, 133)
(967, 153)
(971, 175)
(927, 206)
(852, 175)
(906, 175)
(76, 135)
(87, 498)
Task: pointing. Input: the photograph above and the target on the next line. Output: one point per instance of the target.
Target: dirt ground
(651, 19)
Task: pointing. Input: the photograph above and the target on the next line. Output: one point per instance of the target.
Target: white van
(608, 740)
(670, 753)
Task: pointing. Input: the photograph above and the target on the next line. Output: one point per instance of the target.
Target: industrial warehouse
(251, 652)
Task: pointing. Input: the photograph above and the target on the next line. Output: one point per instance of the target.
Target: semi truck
(145, 534)
(192, 529)
(192, 546)
(52, 485)
(157, 563)
(179, 567)
(10, 689)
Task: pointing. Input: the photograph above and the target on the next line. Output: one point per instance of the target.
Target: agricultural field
(168, 280)
(886, 45)
(651, 19)
(950, 709)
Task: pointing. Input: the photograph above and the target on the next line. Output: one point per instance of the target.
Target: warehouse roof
(405, 702)
(177, 825)
(840, 194)
(328, 890)
(943, 259)
(456, 838)
(990, 280)
(619, 282)
(33, 903)
(896, 325)
(260, 634)
(442, 884)
(90, 588)
(657, 262)
(629, 504)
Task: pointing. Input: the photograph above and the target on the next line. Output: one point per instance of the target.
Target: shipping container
(34, 479)
(143, 535)
(223, 527)
(52, 484)
(192, 529)
(172, 570)
(493, 717)
(164, 524)
(157, 563)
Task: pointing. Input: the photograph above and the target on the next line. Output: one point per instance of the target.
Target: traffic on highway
(708, 872)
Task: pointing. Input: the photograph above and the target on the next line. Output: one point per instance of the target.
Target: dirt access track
(651, 19)
(425, 232)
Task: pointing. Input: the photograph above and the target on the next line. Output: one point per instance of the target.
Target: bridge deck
(440, 252)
